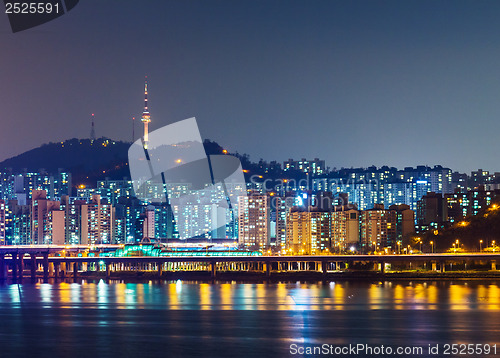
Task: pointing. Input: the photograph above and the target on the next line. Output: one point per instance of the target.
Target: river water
(196, 319)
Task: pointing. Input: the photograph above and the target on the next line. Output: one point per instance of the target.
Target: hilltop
(87, 160)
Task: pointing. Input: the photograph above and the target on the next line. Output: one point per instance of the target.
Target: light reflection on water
(181, 295)
(200, 319)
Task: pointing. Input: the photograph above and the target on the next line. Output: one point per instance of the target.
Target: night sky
(398, 83)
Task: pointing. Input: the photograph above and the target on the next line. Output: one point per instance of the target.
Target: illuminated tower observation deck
(146, 117)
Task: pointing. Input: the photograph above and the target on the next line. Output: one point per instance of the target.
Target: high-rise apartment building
(40, 209)
(97, 219)
(54, 229)
(148, 227)
(345, 228)
(313, 167)
(432, 212)
(377, 228)
(253, 220)
(308, 232)
(283, 206)
(3, 240)
(21, 223)
(72, 208)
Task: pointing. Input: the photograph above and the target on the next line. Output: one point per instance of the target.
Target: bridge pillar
(324, 267)
(21, 267)
(33, 268)
(382, 267)
(14, 268)
(63, 269)
(45, 268)
(108, 270)
(213, 269)
(493, 265)
(75, 271)
(56, 270)
(51, 269)
(3, 268)
(160, 268)
(442, 266)
(267, 268)
(434, 266)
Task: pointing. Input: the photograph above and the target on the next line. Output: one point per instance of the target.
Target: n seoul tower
(146, 117)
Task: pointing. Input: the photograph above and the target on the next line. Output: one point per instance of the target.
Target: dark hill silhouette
(484, 226)
(87, 160)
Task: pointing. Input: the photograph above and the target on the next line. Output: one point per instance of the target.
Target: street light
(480, 245)
(432, 247)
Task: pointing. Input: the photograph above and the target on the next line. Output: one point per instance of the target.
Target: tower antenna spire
(133, 129)
(92, 130)
(146, 117)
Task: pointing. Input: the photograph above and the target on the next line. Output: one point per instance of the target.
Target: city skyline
(249, 178)
(353, 213)
(269, 160)
(354, 83)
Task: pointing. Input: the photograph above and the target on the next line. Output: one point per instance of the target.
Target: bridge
(15, 261)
